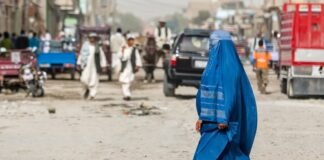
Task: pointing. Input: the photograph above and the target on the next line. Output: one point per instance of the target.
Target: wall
(7, 14)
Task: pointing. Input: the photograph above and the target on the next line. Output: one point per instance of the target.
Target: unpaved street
(105, 129)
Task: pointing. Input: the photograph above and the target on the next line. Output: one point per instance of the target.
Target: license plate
(200, 64)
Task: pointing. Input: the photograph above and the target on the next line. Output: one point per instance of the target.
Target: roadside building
(7, 12)
(99, 12)
(37, 15)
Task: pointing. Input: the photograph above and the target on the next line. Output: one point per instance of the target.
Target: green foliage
(177, 22)
(201, 18)
(129, 22)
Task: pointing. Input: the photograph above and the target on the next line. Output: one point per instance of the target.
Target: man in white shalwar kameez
(117, 41)
(131, 62)
(92, 61)
(162, 34)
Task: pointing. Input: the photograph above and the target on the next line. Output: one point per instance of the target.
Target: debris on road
(122, 105)
(143, 110)
(51, 110)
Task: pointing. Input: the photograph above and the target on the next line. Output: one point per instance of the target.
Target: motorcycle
(34, 80)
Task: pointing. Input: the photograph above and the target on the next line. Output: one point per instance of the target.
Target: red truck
(10, 65)
(302, 50)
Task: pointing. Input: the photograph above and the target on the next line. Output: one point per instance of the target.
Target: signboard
(15, 57)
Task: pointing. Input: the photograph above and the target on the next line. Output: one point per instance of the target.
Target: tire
(283, 86)
(290, 90)
(168, 88)
(38, 92)
(53, 75)
(73, 74)
(109, 72)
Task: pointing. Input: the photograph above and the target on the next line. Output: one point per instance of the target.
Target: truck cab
(302, 50)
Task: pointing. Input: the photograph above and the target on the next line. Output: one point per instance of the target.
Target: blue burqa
(225, 96)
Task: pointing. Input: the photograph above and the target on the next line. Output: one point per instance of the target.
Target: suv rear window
(194, 44)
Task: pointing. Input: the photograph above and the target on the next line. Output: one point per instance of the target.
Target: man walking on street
(117, 41)
(92, 61)
(130, 64)
(262, 59)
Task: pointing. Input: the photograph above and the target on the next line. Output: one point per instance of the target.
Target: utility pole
(24, 17)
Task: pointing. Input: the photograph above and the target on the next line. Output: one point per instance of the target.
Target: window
(194, 44)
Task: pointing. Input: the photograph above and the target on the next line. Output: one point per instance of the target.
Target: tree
(177, 22)
(129, 22)
(201, 18)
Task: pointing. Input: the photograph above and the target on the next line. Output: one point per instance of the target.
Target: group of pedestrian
(126, 59)
(92, 60)
(23, 41)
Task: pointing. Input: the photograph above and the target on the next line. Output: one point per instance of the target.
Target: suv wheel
(168, 88)
(283, 86)
(290, 90)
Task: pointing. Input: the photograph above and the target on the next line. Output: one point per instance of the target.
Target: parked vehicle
(57, 59)
(242, 48)
(302, 50)
(10, 64)
(34, 80)
(104, 34)
(186, 62)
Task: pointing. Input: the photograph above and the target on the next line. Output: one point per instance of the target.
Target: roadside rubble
(144, 109)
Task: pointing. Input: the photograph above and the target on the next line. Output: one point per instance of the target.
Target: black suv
(187, 61)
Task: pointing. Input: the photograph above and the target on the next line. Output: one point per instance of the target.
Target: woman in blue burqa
(225, 104)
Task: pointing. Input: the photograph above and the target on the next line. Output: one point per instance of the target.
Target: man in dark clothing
(13, 39)
(22, 41)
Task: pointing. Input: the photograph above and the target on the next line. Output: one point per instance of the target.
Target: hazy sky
(147, 9)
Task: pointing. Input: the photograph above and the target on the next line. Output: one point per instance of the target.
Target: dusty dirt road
(103, 129)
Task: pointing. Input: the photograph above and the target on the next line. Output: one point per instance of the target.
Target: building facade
(36, 15)
(100, 12)
(8, 13)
